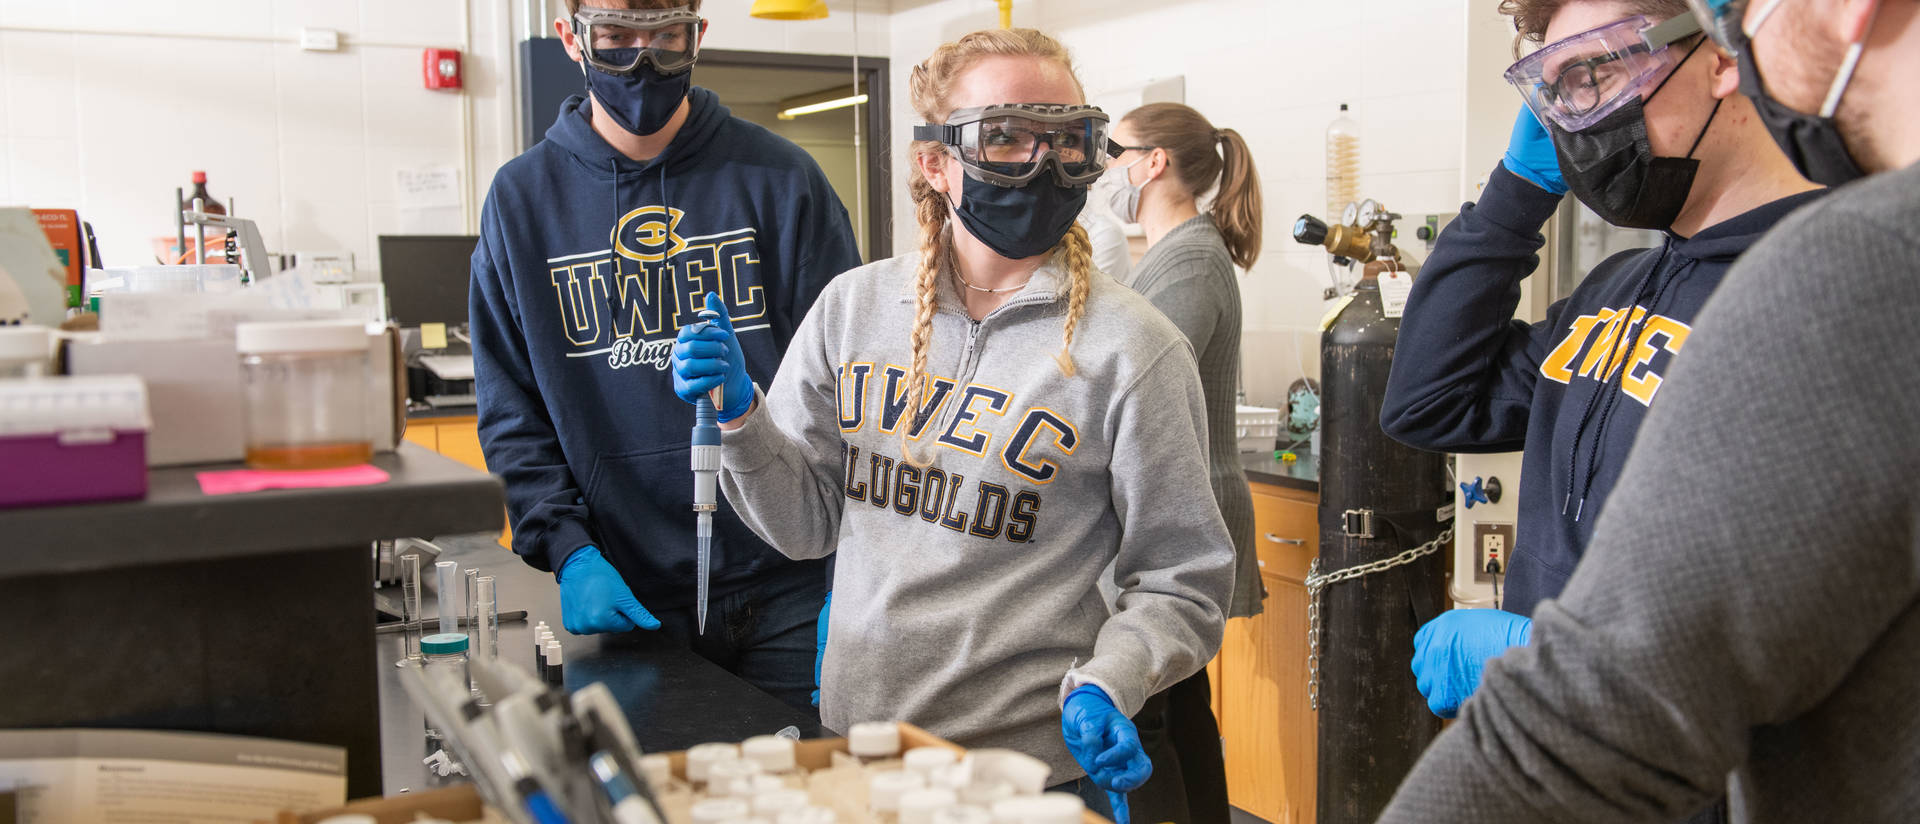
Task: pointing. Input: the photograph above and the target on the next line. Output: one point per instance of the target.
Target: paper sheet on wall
(103, 776)
(427, 199)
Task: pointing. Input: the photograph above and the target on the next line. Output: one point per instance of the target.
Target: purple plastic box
(40, 470)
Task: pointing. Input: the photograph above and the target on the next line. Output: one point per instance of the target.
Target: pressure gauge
(1351, 214)
(1369, 212)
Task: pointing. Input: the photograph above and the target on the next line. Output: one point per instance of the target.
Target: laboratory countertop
(1303, 474)
(428, 413)
(427, 495)
(673, 698)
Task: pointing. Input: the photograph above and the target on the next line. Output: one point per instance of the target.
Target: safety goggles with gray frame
(618, 41)
(1009, 144)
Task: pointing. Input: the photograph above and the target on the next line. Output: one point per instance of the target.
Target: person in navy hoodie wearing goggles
(596, 247)
(1630, 110)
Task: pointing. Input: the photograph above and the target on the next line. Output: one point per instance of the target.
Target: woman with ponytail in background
(978, 431)
(1172, 156)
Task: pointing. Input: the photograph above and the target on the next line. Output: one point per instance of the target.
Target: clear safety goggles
(1576, 81)
(1010, 144)
(1722, 20)
(618, 41)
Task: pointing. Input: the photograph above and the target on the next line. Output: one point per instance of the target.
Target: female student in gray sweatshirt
(1172, 156)
(974, 489)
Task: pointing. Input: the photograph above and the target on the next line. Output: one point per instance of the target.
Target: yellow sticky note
(1334, 313)
(433, 336)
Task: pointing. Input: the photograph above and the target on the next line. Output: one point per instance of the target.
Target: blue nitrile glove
(820, 647)
(594, 599)
(1530, 154)
(1106, 744)
(1451, 651)
(707, 356)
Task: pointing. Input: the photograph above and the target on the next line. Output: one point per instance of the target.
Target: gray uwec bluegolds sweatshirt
(965, 592)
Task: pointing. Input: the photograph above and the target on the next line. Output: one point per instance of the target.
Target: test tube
(449, 613)
(487, 618)
(472, 610)
(410, 603)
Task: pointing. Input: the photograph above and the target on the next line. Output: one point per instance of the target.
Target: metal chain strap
(1316, 582)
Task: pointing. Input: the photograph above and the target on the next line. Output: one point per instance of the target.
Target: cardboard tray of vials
(463, 803)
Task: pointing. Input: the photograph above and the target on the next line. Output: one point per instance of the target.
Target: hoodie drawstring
(1607, 376)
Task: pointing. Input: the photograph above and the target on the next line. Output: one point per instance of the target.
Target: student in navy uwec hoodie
(590, 260)
(1572, 390)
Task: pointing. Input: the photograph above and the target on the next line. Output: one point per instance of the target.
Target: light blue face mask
(1122, 196)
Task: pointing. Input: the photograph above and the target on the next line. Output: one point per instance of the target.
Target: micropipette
(706, 475)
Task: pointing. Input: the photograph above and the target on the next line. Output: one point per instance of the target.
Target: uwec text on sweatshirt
(965, 591)
(1571, 390)
(1742, 622)
(588, 265)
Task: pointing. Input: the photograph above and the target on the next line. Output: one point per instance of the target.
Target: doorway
(850, 142)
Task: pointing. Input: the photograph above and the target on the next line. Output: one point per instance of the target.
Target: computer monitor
(426, 277)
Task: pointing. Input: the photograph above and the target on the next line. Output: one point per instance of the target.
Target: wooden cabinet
(457, 438)
(1260, 677)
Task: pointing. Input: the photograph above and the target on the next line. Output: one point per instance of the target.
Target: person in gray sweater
(1172, 155)
(974, 490)
(1747, 617)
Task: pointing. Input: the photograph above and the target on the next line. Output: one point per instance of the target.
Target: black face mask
(1019, 223)
(640, 102)
(1611, 167)
(1812, 142)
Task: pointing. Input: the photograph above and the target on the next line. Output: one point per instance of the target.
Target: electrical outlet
(1492, 542)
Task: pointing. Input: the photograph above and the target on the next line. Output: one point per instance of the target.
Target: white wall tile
(321, 96)
(43, 171)
(401, 110)
(422, 22)
(290, 16)
(37, 13)
(41, 106)
(322, 208)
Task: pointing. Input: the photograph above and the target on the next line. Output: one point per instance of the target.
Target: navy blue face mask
(641, 101)
(1019, 223)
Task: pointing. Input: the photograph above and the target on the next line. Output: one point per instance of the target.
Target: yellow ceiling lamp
(789, 9)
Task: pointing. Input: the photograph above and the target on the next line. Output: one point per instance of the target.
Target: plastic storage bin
(306, 385)
(72, 440)
(1258, 428)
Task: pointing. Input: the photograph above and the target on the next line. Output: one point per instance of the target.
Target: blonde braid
(1076, 251)
(932, 212)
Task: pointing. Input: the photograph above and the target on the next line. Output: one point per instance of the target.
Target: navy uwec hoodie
(1468, 377)
(588, 265)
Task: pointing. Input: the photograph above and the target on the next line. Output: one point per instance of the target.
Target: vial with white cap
(962, 814)
(812, 815)
(884, 790)
(926, 760)
(726, 778)
(918, 806)
(1047, 808)
(773, 753)
(770, 804)
(657, 770)
(556, 668)
(702, 757)
(873, 741)
(720, 810)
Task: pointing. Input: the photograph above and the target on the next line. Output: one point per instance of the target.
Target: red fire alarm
(441, 68)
